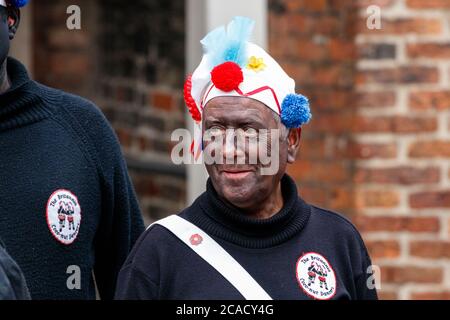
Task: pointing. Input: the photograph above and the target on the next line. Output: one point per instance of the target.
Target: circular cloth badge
(63, 216)
(316, 276)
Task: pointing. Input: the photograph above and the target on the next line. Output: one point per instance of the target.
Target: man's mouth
(236, 173)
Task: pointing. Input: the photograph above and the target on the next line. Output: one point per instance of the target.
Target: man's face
(4, 34)
(243, 185)
(9, 22)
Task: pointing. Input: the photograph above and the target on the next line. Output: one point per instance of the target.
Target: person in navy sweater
(68, 211)
(250, 235)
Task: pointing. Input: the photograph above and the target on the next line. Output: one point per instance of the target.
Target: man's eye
(250, 132)
(215, 130)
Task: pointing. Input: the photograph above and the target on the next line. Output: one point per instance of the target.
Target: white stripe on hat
(3, 3)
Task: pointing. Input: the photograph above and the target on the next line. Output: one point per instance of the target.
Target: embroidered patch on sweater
(64, 216)
(316, 276)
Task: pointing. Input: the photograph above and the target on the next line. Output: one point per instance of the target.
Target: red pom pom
(227, 76)
(190, 102)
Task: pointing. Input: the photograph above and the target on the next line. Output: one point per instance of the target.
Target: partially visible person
(68, 208)
(250, 235)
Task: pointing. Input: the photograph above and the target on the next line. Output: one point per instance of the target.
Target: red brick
(305, 5)
(336, 75)
(331, 99)
(313, 147)
(68, 64)
(407, 274)
(67, 40)
(327, 123)
(304, 24)
(430, 100)
(313, 194)
(377, 199)
(146, 186)
(397, 224)
(430, 199)
(395, 124)
(430, 249)
(402, 26)
(428, 4)
(341, 50)
(430, 149)
(162, 100)
(341, 198)
(402, 175)
(144, 143)
(380, 3)
(375, 99)
(387, 295)
(300, 72)
(308, 50)
(319, 171)
(400, 75)
(429, 295)
(124, 136)
(383, 248)
(355, 150)
(429, 50)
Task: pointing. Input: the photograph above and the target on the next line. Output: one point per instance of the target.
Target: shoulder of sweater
(82, 108)
(146, 251)
(87, 121)
(156, 234)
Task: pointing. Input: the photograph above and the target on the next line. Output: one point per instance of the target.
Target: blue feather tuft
(295, 111)
(223, 45)
(18, 3)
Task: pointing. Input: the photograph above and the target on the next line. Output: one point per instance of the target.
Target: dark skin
(9, 22)
(242, 185)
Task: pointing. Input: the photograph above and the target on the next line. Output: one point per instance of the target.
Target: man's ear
(13, 21)
(293, 144)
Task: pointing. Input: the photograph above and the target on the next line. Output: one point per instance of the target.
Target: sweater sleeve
(133, 284)
(121, 222)
(365, 282)
(119, 228)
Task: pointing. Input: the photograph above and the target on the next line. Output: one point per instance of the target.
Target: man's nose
(233, 148)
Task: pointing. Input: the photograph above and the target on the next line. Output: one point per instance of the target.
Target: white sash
(216, 256)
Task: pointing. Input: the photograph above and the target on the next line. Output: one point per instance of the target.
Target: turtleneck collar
(22, 103)
(227, 222)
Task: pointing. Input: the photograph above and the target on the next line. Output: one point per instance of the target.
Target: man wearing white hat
(249, 236)
(67, 207)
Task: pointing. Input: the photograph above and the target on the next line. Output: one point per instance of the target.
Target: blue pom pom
(18, 3)
(295, 111)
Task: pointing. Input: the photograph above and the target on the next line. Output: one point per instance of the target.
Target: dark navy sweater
(302, 252)
(68, 211)
(12, 282)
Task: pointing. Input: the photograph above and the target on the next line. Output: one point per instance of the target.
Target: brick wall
(62, 58)
(141, 75)
(130, 61)
(403, 195)
(313, 41)
(378, 146)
